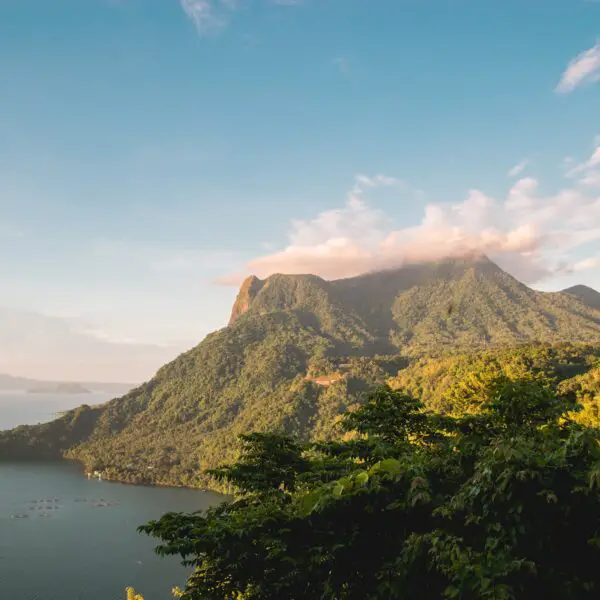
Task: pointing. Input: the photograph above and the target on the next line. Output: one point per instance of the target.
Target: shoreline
(83, 471)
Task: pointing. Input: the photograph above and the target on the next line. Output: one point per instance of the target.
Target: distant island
(10, 383)
(59, 388)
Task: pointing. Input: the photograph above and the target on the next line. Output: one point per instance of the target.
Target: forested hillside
(298, 352)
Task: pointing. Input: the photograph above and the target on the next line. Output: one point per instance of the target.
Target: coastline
(114, 478)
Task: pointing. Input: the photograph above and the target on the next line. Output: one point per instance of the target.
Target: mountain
(587, 295)
(450, 303)
(297, 352)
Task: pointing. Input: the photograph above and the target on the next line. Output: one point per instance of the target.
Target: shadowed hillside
(586, 294)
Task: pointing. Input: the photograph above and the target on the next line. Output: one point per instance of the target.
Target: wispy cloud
(518, 168)
(587, 264)
(587, 172)
(211, 16)
(584, 68)
(530, 234)
(207, 15)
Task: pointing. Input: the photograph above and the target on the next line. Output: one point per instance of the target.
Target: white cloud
(591, 163)
(377, 180)
(529, 234)
(591, 179)
(584, 68)
(586, 264)
(586, 173)
(210, 16)
(518, 168)
(207, 15)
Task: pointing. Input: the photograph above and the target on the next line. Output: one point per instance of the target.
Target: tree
(500, 503)
(133, 595)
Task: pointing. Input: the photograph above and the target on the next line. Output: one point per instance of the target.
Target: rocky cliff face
(248, 291)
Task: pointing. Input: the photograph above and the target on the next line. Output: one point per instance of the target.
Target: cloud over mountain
(530, 234)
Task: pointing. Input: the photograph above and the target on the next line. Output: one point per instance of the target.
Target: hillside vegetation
(289, 334)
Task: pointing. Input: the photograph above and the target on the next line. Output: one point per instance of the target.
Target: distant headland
(59, 388)
(10, 383)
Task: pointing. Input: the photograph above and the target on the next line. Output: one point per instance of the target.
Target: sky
(155, 152)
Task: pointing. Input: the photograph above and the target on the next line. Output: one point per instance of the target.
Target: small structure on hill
(326, 380)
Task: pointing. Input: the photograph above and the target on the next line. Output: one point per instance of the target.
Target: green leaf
(362, 478)
(391, 465)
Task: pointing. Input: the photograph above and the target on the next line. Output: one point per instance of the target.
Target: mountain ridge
(276, 365)
(403, 287)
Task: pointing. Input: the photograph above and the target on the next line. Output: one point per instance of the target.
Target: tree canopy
(500, 502)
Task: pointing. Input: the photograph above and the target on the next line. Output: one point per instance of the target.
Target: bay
(63, 536)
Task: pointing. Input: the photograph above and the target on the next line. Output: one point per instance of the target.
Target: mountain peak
(589, 296)
(248, 291)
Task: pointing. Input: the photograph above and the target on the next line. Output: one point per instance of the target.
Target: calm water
(82, 544)
(20, 408)
(73, 549)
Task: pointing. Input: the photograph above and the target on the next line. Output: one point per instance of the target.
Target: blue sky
(150, 148)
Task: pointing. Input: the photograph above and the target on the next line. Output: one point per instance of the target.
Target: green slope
(262, 371)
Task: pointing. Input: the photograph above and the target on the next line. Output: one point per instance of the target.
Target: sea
(66, 537)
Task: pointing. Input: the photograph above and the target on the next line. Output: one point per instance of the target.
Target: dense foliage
(501, 502)
(265, 371)
(457, 382)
